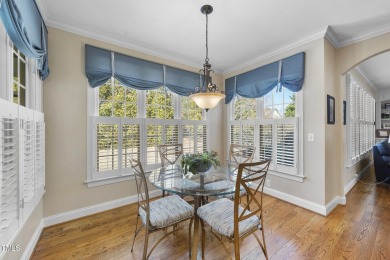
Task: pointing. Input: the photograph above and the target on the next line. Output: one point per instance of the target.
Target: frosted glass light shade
(207, 100)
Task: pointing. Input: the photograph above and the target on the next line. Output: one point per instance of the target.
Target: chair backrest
(249, 173)
(170, 153)
(142, 187)
(240, 154)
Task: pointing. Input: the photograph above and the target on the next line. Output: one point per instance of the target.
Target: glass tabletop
(212, 183)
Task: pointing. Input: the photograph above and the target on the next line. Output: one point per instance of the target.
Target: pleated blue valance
(101, 65)
(289, 73)
(26, 28)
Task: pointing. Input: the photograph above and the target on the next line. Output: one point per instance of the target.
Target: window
(19, 77)
(270, 124)
(130, 124)
(279, 104)
(361, 123)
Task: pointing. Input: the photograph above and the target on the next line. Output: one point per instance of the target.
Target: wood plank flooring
(359, 230)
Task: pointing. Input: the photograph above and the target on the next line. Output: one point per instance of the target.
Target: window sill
(298, 178)
(110, 180)
(100, 182)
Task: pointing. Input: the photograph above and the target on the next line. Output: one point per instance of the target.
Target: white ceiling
(240, 32)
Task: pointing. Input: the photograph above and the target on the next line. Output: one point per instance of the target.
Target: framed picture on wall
(344, 112)
(331, 108)
(386, 125)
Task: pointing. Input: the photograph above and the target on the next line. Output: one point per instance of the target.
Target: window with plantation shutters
(361, 119)
(9, 181)
(271, 126)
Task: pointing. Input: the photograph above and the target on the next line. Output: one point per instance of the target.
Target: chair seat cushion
(166, 211)
(219, 214)
(220, 185)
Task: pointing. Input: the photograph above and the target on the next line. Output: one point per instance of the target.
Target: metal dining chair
(230, 219)
(239, 154)
(169, 154)
(158, 214)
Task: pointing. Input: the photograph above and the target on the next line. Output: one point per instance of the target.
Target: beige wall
(65, 108)
(333, 146)
(313, 188)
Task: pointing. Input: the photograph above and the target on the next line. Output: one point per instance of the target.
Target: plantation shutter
(26, 166)
(201, 138)
(131, 141)
(235, 133)
(9, 181)
(248, 133)
(265, 150)
(154, 137)
(39, 157)
(286, 144)
(188, 138)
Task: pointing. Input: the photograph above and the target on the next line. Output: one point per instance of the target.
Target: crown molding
(331, 37)
(272, 53)
(365, 36)
(96, 36)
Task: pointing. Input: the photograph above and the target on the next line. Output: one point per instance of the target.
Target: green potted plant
(199, 162)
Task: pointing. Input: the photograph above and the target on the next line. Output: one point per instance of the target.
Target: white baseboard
(33, 241)
(353, 182)
(79, 213)
(315, 207)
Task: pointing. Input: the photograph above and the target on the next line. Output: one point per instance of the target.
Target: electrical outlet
(268, 183)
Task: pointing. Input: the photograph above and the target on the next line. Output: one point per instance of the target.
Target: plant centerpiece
(199, 162)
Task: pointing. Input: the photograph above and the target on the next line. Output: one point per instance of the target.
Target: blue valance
(181, 82)
(289, 73)
(26, 28)
(136, 73)
(101, 65)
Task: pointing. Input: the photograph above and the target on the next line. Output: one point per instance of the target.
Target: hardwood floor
(359, 230)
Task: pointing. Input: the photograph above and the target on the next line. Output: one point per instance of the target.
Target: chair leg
(135, 233)
(144, 256)
(237, 248)
(189, 236)
(163, 193)
(203, 236)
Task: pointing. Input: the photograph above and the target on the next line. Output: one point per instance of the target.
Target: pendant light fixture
(207, 96)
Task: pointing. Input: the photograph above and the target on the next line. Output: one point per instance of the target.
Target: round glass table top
(213, 183)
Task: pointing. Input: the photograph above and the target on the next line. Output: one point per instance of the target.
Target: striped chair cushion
(166, 211)
(222, 184)
(219, 215)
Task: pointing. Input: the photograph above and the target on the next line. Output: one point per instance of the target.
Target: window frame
(93, 177)
(297, 174)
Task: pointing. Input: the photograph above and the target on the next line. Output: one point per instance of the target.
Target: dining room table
(202, 186)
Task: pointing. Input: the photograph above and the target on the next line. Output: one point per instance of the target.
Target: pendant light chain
(207, 36)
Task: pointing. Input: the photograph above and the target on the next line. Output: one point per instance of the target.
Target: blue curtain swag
(101, 65)
(288, 73)
(27, 30)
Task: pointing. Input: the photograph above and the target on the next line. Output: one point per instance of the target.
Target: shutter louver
(154, 136)
(248, 134)
(285, 144)
(39, 159)
(265, 142)
(107, 147)
(9, 212)
(28, 167)
(131, 144)
(235, 132)
(201, 138)
(188, 139)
